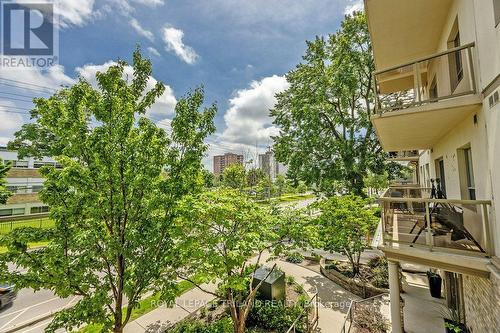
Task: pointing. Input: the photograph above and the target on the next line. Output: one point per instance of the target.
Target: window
(12, 211)
(39, 209)
(18, 164)
(36, 188)
(469, 171)
(455, 58)
(39, 164)
(496, 10)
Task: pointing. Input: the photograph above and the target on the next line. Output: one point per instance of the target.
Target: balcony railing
(403, 154)
(410, 217)
(441, 76)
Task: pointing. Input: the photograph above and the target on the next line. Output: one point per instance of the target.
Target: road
(30, 304)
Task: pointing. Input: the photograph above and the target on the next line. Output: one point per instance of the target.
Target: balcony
(419, 102)
(403, 155)
(456, 239)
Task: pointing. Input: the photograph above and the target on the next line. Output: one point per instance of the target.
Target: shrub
(368, 318)
(290, 279)
(275, 316)
(295, 258)
(379, 272)
(315, 257)
(224, 325)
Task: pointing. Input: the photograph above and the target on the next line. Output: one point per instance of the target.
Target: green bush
(295, 258)
(224, 325)
(379, 272)
(275, 316)
(290, 279)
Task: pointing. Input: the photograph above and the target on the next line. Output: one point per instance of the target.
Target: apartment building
(271, 167)
(223, 161)
(24, 181)
(437, 78)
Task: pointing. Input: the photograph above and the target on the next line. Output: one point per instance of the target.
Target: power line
(26, 88)
(17, 99)
(27, 83)
(14, 107)
(14, 94)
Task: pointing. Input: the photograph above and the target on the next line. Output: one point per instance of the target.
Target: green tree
(208, 178)
(4, 193)
(345, 224)
(326, 136)
(376, 182)
(280, 183)
(266, 188)
(254, 176)
(114, 199)
(226, 229)
(302, 187)
(234, 176)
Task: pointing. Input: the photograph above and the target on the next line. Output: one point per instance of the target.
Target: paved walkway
(332, 310)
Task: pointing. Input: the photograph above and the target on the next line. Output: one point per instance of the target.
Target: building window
(469, 171)
(18, 164)
(12, 211)
(433, 90)
(39, 164)
(496, 10)
(455, 58)
(39, 209)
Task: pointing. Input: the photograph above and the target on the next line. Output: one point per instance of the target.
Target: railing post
(375, 91)
(486, 230)
(429, 228)
(382, 217)
(416, 81)
(471, 69)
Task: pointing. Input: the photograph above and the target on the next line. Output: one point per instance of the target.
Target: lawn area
(3, 249)
(44, 222)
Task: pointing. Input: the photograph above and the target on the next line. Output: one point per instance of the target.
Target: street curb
(31, 322)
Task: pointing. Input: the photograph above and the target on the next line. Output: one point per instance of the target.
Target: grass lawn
(3, 249)
(146, 305)
(45, 223)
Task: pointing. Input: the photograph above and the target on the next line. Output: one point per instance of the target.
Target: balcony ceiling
(423, 126)
(404, 30)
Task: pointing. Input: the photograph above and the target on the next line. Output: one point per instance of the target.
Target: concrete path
(334, 302)
(163, 316)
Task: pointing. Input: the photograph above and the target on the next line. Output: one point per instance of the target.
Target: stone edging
(356, 287)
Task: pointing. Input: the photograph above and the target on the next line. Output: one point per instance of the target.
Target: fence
(33, 220)
(369, 307)
(311, 315)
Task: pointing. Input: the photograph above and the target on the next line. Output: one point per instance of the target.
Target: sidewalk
(159, 319)
(332, 310)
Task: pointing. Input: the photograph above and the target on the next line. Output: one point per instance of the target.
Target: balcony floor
(421, 127)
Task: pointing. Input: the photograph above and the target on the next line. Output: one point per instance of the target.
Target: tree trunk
(118, 328)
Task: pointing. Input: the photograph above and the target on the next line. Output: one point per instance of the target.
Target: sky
(238, 50)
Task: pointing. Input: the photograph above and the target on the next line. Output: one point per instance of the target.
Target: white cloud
(69, 12)
(164, 105)
(354, 6)
(53, 78)
(12, 120)
(150, 3)
(140, 30)
(153, 51)
(247, 120)
(173, 40)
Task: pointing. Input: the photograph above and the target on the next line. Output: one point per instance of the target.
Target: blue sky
(239, 51)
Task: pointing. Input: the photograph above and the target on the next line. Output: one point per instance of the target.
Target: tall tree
(326, 136)
(114, 199)
(234, 176)
(254, 176)
(232, 229)
(344, 224)
(4, 193)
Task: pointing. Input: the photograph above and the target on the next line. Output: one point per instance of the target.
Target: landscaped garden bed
(265, 316)
(371, 280)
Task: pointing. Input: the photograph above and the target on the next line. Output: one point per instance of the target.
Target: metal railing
(411, 217)
(10, 223)
(416, 79)
(403, 154)
(311, 315)
(350, 319)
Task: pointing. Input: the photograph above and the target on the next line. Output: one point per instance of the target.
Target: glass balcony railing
(411, 217)
(431, 79)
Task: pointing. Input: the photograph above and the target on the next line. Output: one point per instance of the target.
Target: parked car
(7, 294)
